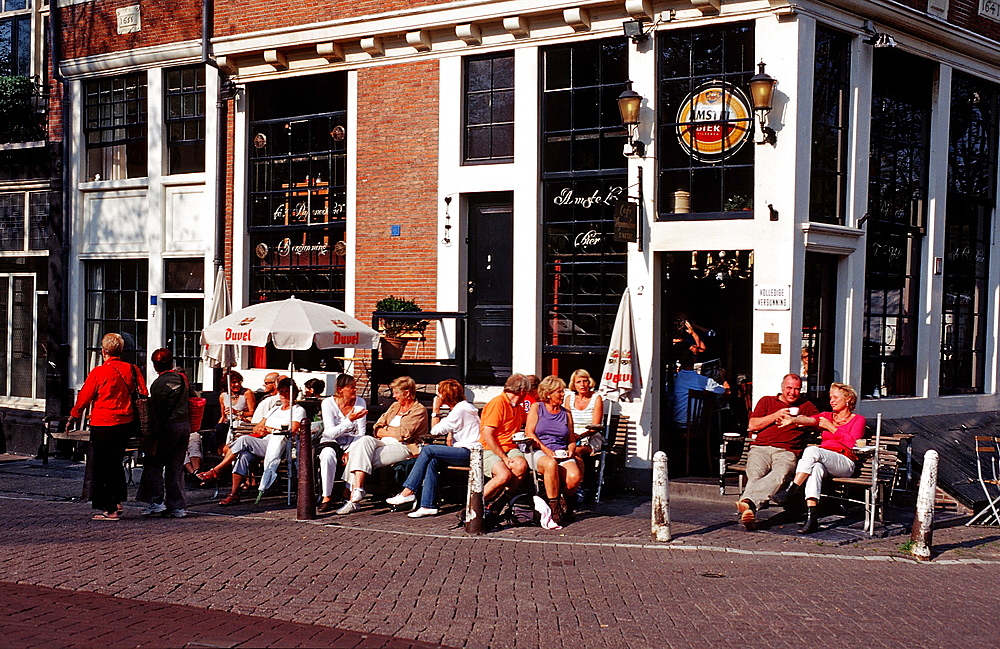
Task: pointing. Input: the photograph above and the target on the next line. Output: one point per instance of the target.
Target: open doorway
(713, 291)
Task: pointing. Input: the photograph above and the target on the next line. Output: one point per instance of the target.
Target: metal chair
(988, 471)
(701, 407)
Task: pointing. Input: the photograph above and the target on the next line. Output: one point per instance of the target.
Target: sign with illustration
(714, 121)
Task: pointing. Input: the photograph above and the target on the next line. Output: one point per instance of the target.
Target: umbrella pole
(306, 502)
(604, 452)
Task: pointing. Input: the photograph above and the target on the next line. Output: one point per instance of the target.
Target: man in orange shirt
(502, 417)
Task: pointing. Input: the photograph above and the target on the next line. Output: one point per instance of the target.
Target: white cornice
(131, 60)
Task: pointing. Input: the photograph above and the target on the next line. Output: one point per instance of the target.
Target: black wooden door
(490, 287)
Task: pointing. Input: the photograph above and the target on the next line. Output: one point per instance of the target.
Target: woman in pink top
(834, 456)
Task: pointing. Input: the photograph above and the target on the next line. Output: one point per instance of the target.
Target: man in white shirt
(270, 397)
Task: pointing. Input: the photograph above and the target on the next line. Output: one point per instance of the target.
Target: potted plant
(396, 332)
(738, 203)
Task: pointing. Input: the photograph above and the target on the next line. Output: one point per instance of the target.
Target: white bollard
(923, 523)
(474, 523)
(661, 498)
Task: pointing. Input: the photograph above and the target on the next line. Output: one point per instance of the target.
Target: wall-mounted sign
(772, 297)
(626, 221)
(990, 9)
(714, 121)
(597, 199)
(129, 20)
(771, 344)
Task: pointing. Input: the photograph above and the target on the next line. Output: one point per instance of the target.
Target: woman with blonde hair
(587, 408)
(550, 427)
(397, 433)
(835, 456)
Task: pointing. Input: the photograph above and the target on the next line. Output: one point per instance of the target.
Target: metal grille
(184, 325)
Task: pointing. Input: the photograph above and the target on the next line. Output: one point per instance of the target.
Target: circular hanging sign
(714, 121)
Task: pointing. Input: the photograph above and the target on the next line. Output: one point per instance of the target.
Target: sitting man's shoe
(400, 499)
(175, 513)
(231, 499)
(748, 515)
(325, 507)
(349, 508)
(154, 509)
(423, 511)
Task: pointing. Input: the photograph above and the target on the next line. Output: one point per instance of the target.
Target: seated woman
(834, 456)
(550, 427)
(262, 443)
(343, 423)
(397, 433)
(462, 429)
(236, 406)
(587, 409)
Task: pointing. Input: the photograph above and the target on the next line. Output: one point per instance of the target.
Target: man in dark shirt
(171, 428)
(774, 451)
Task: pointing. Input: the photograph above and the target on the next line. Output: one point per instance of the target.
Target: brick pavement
(37, 616)
(598, 582)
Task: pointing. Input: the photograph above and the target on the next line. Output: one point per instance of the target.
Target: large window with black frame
(705, 122)
(972, 194)
(583, 179)
(116, 296)
(184, 98)
(15, 37)
(298, 193)
(115, 126)
(831, 116)
(488, 109)
(897, 190)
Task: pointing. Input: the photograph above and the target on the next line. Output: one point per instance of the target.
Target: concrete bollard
(661, 498)
(474, 523)
(920, 536)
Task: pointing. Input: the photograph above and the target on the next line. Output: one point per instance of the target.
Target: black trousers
(107, 449)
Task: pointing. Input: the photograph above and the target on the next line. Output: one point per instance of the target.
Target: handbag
(196, 404)
(140, 404)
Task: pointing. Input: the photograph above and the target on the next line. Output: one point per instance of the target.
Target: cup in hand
(793, 411)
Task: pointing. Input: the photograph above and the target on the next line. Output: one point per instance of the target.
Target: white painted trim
(132, 60)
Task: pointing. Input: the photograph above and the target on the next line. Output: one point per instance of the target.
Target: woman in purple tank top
(550, 428)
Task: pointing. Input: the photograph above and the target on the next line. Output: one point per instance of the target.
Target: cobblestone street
(597, 583)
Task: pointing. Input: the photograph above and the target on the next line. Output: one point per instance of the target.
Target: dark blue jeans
(423, 476)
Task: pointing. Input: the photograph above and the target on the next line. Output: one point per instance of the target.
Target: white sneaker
(423, 511)
(400, 499)
(349, 507)
(154, 509)
(357, 495)
(176, 513)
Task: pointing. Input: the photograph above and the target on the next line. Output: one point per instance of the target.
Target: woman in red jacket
(113, 421)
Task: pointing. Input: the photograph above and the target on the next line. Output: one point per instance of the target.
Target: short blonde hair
(406, 384)
(549, 385)
(113, 344)
(849, 392)
(577, 374)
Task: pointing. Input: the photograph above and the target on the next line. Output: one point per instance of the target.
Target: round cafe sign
(714, 121)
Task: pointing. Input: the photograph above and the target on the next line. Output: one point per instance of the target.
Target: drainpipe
(221, 106)
(57, 329)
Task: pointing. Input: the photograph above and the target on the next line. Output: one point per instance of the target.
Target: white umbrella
(288, 324)
(221, 355)
(620, 379)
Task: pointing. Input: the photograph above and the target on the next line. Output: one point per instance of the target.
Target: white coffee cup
(561, 454)
(794, 411)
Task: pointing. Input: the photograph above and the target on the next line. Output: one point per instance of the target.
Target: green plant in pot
(396, 331)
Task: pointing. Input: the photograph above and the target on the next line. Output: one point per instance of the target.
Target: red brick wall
(965, 13)
(92, 27)
(397, 185)
(239, 18)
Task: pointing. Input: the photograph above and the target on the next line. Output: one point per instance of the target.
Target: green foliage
(392, 327)
(19, 115)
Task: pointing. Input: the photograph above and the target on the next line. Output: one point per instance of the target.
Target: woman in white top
(461, 427)
(261, 443)
(343, 423)
(587, 409)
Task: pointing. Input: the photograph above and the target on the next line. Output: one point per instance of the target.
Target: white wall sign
(128, 20)
(772, 297)
(990, 9)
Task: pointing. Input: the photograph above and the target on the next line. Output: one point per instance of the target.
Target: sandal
(231, 499)
(205, 476)
(106, 516)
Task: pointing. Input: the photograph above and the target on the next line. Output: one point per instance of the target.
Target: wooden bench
(874, 474)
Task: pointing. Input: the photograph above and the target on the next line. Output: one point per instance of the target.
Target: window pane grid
(831, 104)
(489, 109)
(116, 299)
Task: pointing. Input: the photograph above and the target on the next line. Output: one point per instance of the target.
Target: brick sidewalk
(36, 616)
